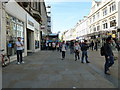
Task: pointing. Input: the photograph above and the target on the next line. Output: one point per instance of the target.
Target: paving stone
(45, 69)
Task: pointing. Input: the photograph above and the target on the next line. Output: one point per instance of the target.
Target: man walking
(84, 48)
(77, 51)
(19, 45)
(71, 47)
(92, 45)
(96, 45)
(109, 57)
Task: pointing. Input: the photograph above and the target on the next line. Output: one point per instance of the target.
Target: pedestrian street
(45, 69)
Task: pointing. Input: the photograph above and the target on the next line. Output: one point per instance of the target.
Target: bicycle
(5, 59)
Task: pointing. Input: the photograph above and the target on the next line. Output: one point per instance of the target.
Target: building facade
(101, 21)
(20, 19)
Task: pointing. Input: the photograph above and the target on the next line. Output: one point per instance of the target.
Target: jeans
(71, 50)
(109, 62)
(19, 55)
(63, 54)
(84, 54)
(77, 55)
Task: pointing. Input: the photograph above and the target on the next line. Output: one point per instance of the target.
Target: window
(105, 26)
(90, 20)
(104, 11)
(94, 29)
(98, 15)
(113, 23)
(14, 29)
(112, 7)
(98, 28)
(93, 18)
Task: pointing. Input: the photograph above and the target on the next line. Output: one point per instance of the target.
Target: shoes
(75, 59)
(107, 73)
(87, 62)
(23, 62)
(82, 62)
(18, 63)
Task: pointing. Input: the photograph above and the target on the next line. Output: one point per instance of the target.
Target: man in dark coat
(109, 57)
(84, 48)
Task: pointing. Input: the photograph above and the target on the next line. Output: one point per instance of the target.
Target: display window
(14, 29)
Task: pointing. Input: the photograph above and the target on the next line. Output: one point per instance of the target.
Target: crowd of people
(76, 47)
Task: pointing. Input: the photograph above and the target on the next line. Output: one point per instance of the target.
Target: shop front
(14, 29)
(33, 34)
(37, 36)
(15, 26)
(30, 33)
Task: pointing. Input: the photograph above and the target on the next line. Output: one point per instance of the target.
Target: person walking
(92, 45)
(19, 45)
(84, 48)
(77, 51)
(109, 56)
(71, 47)
(58, 46)
(47, 46)
(96, 45)
(53, 46)
(63, 49)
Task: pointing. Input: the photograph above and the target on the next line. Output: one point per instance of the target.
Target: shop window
(36, 44)
(12, 32)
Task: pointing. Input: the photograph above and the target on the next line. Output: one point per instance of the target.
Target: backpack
(102, 51)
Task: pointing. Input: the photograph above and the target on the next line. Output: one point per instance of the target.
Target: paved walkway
(45, 69)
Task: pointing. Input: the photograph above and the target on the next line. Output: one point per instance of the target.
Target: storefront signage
(30, 22)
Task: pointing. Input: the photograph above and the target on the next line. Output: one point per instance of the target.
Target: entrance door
(30, 40)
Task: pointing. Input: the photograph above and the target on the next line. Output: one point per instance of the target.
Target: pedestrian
(118, 45)
(109, 56)
(71, 47)
(63, 49)
(53, 46)
(58, 46)
(96, 45)
(77, 51)
(84, 48)
(47, 46)
(92, 45)
(19, 45)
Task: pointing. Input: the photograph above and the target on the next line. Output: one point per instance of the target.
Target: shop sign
(30, 22)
